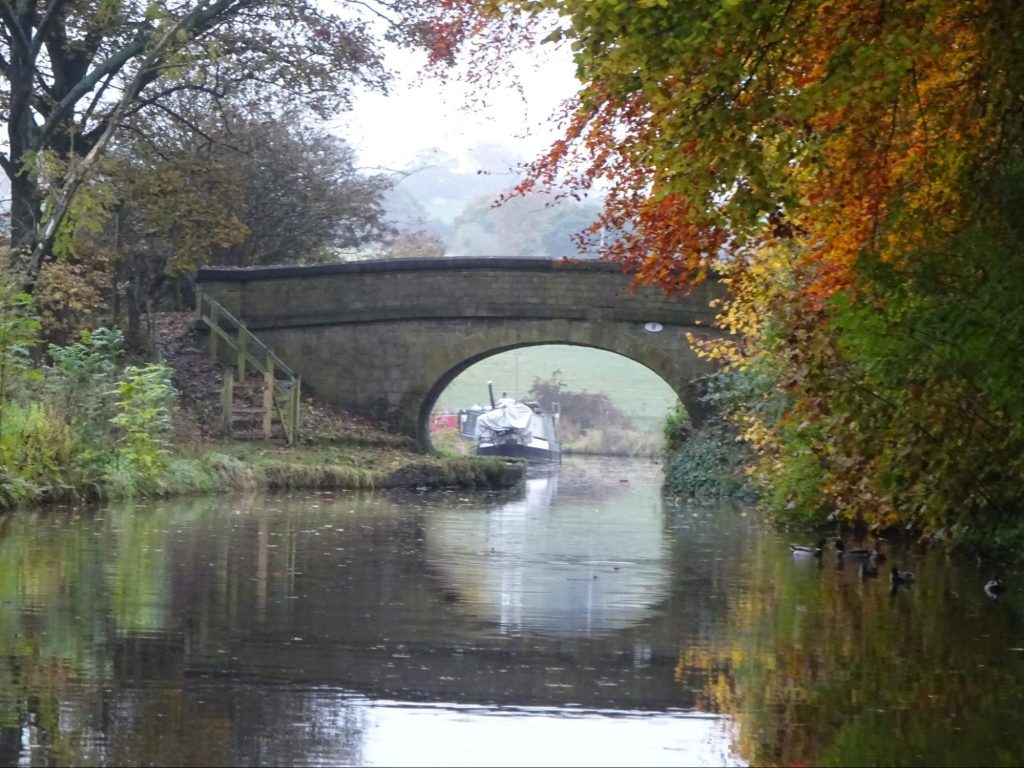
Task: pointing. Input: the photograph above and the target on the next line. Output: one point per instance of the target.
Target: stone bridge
(385, 338)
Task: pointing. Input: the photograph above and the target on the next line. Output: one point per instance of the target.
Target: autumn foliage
(850, 169)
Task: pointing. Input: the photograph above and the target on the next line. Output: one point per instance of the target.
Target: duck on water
(994, 587)
(799, 550)
(874, 551)
(900, 579)
(870, 557)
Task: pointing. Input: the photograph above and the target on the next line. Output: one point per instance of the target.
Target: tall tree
(730, 123)
(76, 70)
(303, 199)
(228, 189)
(854, 169)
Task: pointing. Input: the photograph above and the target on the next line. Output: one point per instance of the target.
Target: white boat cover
(517, 416)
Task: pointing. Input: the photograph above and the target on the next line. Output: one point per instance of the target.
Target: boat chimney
(490, 391)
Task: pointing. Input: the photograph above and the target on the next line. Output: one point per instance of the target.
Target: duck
(869, 569)
(898, 578)
(802, 551)
(994, 587)
(878, 555)
(842, 551)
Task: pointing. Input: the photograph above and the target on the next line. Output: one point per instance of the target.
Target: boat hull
(518, 450)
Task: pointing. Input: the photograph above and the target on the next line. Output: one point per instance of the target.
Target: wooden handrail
(282, 393)
(222, 311)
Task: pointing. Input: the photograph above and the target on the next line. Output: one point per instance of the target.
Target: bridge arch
(686, 389)
(385, 338)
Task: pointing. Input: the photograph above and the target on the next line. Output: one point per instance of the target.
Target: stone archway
(683, 379)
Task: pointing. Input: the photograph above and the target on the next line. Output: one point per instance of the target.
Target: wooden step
(256, 389)
(255, 434)
(247, 420)
(248, 435)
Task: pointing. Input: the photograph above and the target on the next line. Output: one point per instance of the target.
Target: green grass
(635, 390)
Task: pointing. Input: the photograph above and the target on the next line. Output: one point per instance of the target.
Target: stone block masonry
(384, 338)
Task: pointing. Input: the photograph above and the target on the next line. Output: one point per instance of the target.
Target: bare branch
(43, 28)
(174, 115)
(195, 21)
(375, 10)
(111, 66)
(10, 17)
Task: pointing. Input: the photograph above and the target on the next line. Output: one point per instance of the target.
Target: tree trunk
(26, 212)
(134, 297)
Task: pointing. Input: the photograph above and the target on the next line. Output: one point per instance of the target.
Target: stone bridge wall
(384, 338)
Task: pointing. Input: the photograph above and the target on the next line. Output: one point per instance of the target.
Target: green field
(635, 390)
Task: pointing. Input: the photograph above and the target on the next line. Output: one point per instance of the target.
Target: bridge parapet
(418, 289)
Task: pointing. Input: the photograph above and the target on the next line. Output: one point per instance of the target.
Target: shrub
(710, 465)
(18, 330)
(590, 422)
(80, 378)
(145, 402)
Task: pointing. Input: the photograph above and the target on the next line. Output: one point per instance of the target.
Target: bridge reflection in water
(591, 566)
(380, 628)
(561, 595)
(384, 628)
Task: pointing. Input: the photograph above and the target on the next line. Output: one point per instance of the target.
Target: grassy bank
(232, 466)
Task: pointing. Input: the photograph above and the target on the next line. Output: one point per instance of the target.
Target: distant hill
(460, 208)
(443, 191)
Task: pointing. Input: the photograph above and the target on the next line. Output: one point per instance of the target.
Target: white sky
(423, 115)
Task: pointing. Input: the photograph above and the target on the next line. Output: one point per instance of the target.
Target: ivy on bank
(710, 463)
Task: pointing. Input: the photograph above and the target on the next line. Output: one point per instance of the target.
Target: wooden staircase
(263, 405)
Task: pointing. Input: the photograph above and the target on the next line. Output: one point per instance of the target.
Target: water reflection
(402, 628)
(591, 565)
(543, 737)
(327, 628)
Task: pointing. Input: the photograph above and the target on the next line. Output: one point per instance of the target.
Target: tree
(735, 124)
(854, 172)
(302, 198)
(228, 189)
(174, 208)
(525, 225)
(581, 411)
(76, 70)
(414, 244)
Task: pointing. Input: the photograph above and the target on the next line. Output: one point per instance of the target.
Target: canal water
(581, 620)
